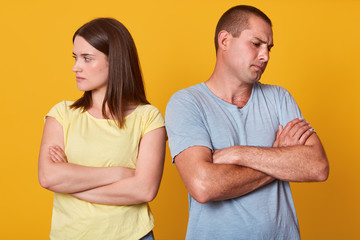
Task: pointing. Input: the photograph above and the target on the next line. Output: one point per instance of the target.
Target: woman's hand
(57, 154)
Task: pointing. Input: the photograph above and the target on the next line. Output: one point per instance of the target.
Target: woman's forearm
(128, 191)
(71, 178)
(57, 175)
(144, 185)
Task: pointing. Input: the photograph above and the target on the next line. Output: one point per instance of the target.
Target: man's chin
(256, 79)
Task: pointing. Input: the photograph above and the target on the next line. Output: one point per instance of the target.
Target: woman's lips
(79, 79)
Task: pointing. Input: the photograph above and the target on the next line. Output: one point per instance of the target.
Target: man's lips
(259, 67)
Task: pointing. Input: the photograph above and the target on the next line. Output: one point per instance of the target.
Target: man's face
(248, 54)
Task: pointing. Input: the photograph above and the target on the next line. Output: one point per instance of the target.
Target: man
(229, 145)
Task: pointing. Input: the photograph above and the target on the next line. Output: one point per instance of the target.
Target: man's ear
(224, 39)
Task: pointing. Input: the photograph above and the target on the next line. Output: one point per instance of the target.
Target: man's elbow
(322, 171)
(201, 198)
(201, 192)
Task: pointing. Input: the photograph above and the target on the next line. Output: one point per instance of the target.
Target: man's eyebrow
(262, 41)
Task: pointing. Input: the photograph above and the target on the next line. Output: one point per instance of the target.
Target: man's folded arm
(206, 181)
(297, 155)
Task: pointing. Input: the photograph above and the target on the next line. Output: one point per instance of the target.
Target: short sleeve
(152, 119)
(184, 123)
(289, 109)
(58, 112)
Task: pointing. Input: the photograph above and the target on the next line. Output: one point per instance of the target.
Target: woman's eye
(87, 59)
(74, 57)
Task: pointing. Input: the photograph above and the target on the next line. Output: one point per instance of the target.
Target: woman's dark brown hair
(125, 84)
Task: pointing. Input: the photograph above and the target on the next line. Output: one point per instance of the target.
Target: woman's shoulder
(148, 112)
(64, 105)
(146, 109)
(61, 109)
(150, 117)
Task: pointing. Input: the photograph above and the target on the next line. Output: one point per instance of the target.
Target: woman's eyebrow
(85, 54)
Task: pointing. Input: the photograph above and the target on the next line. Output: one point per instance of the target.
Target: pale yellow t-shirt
(100, 143)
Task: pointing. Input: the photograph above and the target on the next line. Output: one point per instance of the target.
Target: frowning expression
(247, 55)
(91, 66)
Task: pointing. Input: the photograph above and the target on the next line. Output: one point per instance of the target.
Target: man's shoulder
(188, 100)
(198, 88)
(270, 87)
(271, 90)
(190, 93)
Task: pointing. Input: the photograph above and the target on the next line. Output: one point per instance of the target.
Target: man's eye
(256, 44)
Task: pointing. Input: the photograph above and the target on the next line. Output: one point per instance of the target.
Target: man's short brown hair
(236, 19)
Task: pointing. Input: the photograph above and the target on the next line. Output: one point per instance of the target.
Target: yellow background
(316, 57)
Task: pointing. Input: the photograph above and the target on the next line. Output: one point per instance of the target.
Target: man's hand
(225, 156)
(296, 132)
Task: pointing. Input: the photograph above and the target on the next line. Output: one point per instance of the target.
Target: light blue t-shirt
(196, 117)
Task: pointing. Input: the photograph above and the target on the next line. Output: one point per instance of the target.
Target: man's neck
(229, 90)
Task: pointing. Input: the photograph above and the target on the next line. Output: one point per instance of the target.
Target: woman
(103, 154)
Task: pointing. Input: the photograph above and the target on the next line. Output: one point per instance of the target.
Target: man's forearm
(294, 163)
(207, 181)
(231, 181)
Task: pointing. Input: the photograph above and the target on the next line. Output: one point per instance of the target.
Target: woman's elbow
(148, 193)
(48, 182)
(44, 181)
(149, 197)
(46, 176)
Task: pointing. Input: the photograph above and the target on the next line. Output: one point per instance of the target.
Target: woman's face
(91, 66)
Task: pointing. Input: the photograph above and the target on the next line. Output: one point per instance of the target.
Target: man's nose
(264, 54)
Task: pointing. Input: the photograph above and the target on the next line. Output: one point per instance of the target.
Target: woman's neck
(97, 100)
(97, 104)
